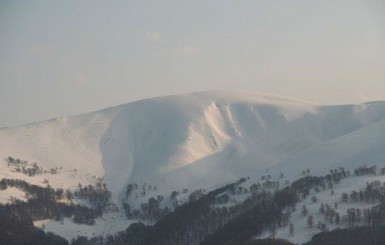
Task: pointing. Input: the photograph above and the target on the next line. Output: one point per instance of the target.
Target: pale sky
(61, 58)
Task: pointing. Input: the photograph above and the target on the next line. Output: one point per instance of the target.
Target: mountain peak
(233, 96)
(189, 135)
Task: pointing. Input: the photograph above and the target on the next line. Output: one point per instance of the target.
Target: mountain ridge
(181, 140)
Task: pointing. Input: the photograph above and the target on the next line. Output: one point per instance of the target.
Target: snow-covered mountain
(198, 140)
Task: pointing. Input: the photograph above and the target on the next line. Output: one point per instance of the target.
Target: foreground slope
(199, 140)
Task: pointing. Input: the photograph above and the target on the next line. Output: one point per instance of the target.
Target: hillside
(195, 141)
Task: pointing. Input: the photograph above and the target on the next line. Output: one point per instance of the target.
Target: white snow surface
(10, 193)
(106, 225)
(198, 140)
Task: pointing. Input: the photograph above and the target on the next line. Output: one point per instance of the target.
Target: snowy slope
(182, 139)
(303, 233)
(198, 140)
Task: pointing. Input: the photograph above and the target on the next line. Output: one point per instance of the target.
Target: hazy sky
(68, 57)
